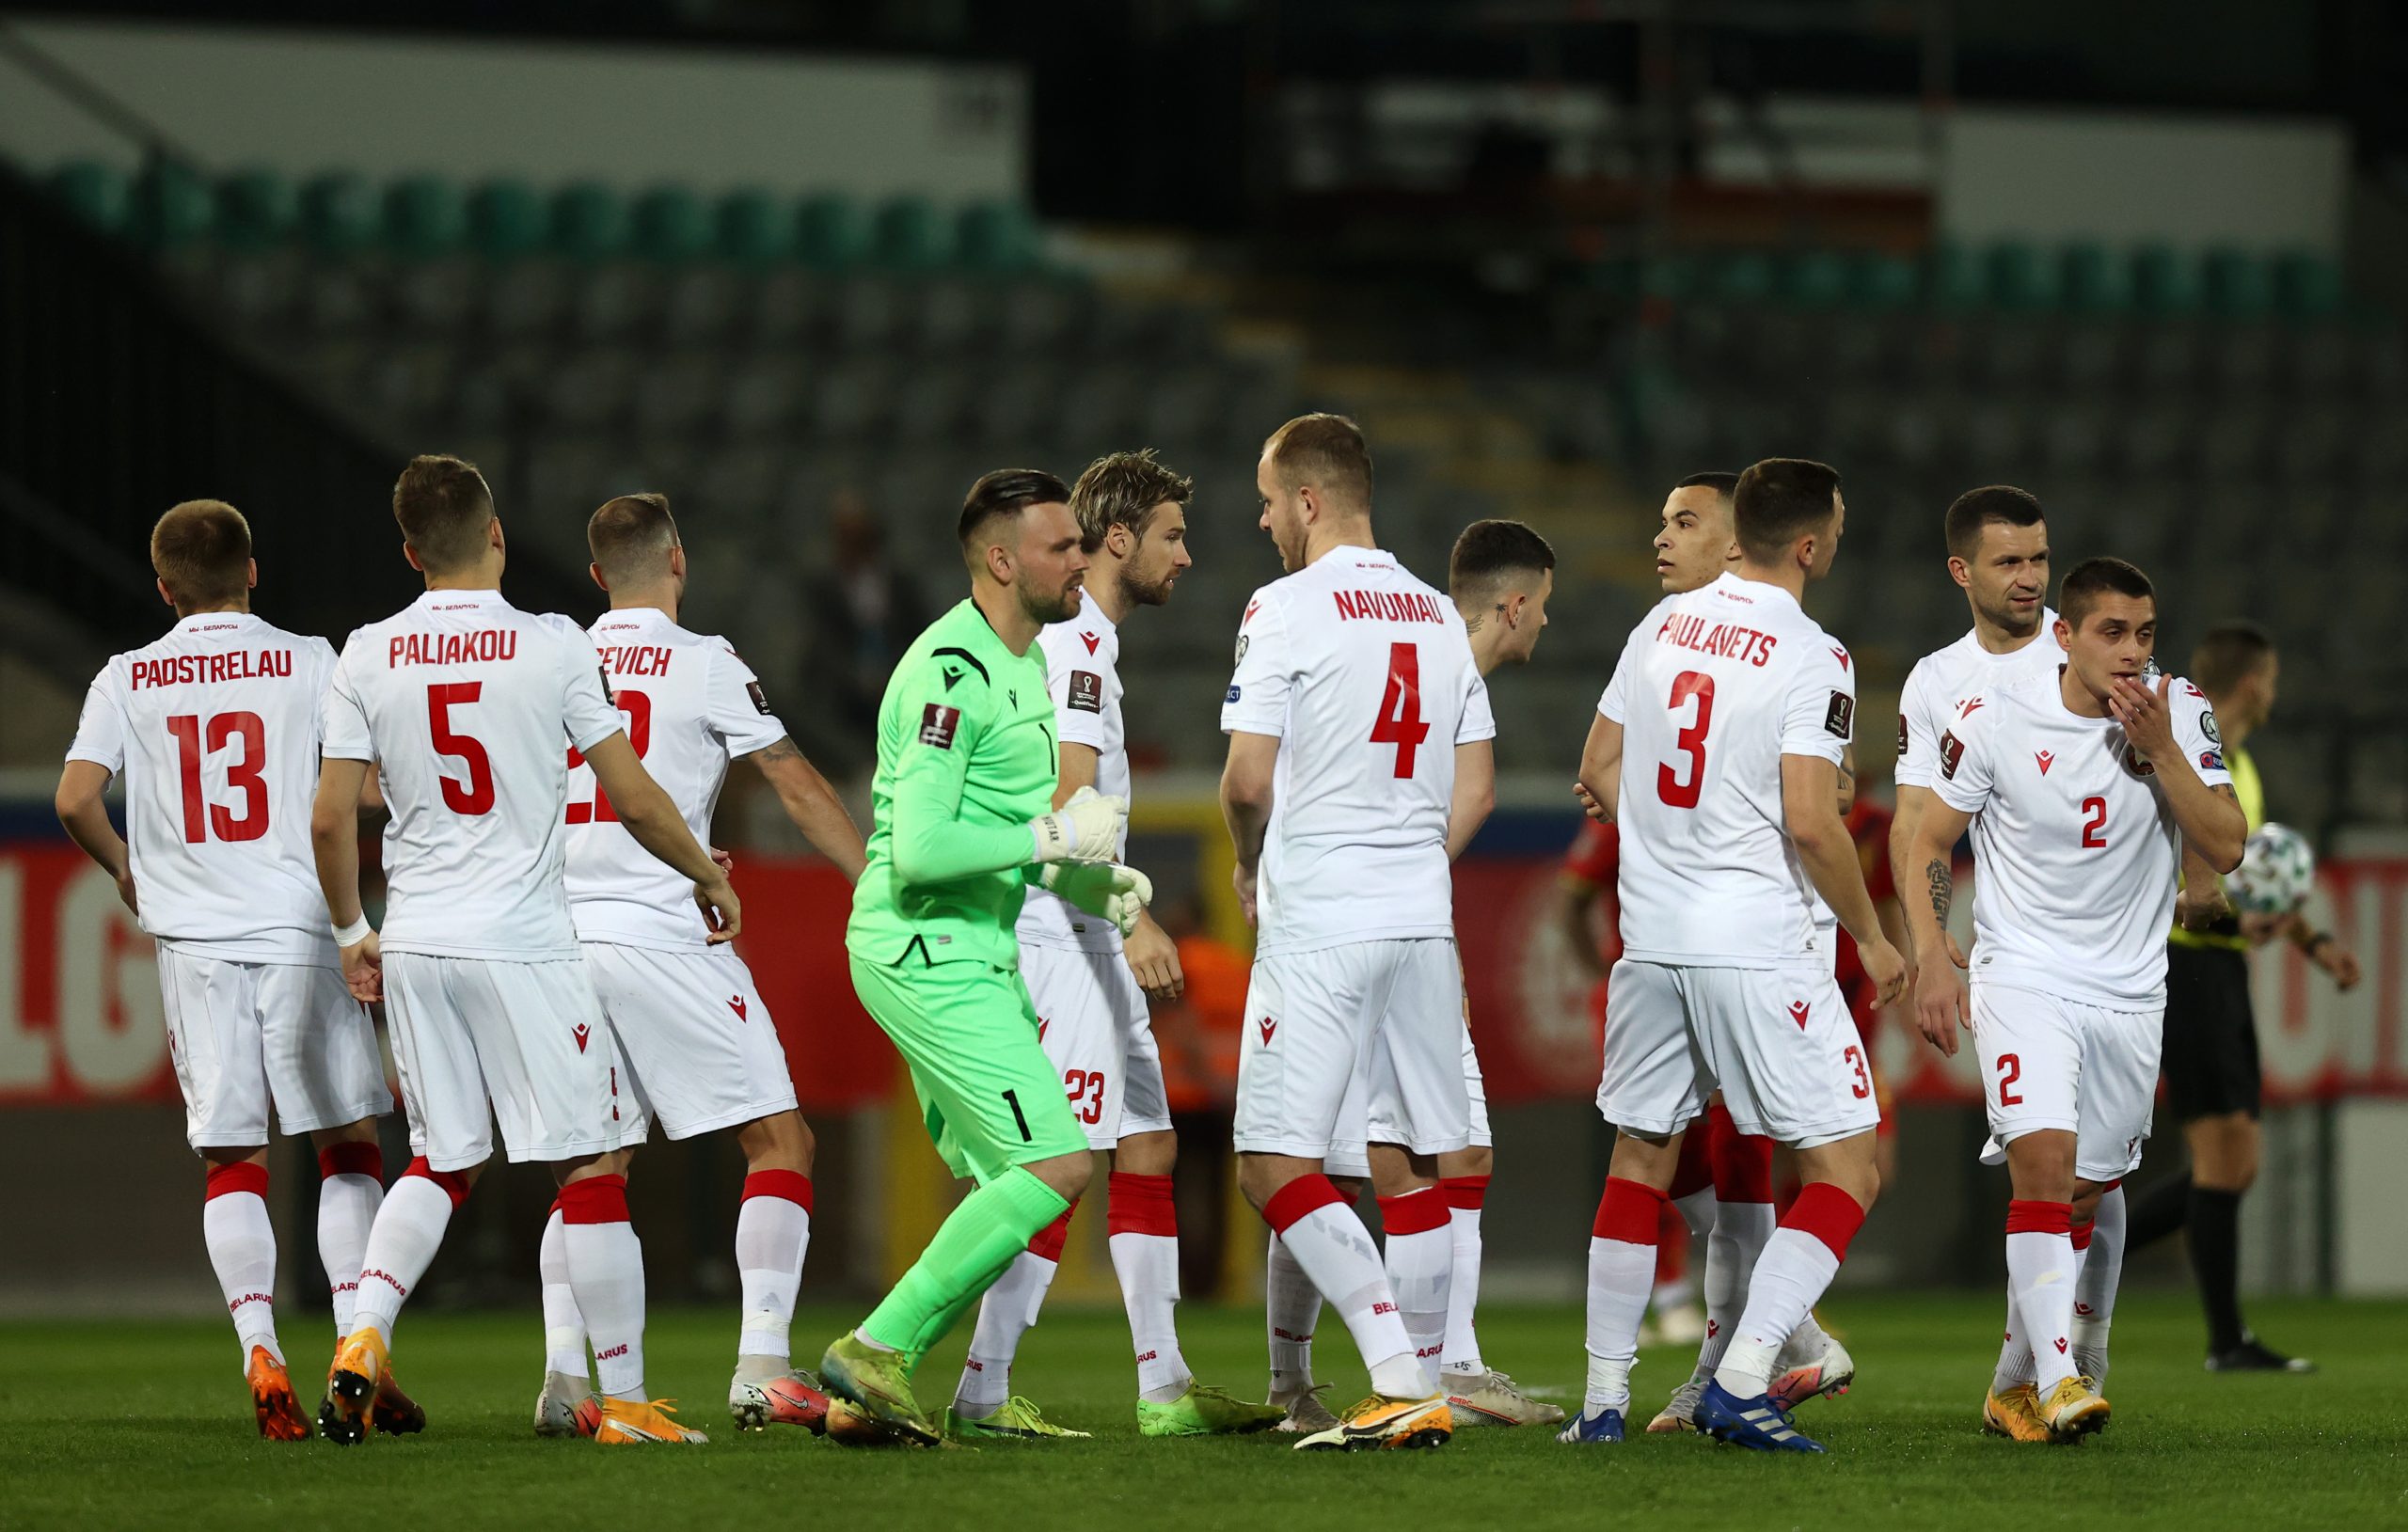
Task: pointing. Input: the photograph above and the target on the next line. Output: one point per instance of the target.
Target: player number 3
(1686, 687)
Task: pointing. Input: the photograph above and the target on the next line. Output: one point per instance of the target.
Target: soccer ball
(2276, 870)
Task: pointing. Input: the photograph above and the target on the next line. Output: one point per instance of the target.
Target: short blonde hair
(203, 552)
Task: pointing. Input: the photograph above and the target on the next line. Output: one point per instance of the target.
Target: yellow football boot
(2015, 1414)
(2073, 1410)
(628, 1421)
(347, 1416)
(1379, 1423)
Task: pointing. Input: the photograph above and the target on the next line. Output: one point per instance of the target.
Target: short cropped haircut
(632, 535)
(2229, 654)
(444, 506)
(1327, 452)
(202, 551)
(1725, 484)
(1124, 489)
(1008, 491)
(2092, 579)
(1778, 501)
(1488, 551)
(1992, 505)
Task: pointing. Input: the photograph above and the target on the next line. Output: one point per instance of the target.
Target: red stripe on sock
(1136, 1204)
(1467, 1192)
(225, 1181)
(596, 1199)
(556, 1207)
(792, 1185)
(2082, 1236)
(1629, 1211)
(2111, 1185)
(1051, 1239)
(1742, 1161)
(351, 1159)
(455, 1185)
(1695, 1171)
(2039, 1217)
(1829, 1214)
(1415, 1212)
(1293, 1202)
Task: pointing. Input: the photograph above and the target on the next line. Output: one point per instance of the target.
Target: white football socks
(772, 1234)
(402, 1243)
(2102, 1271)
(1621, 1270)
(242, 1250)
(1797, 1264)
(1005, 1312)
(606, 1274)
(1733, 1248)
(1141, 1218)
(563, 1326)
(1291, 1307)
(351, 1188)
(1329, 1242)
(1421, 1262)
(1466, 1195)
(2040, 1268)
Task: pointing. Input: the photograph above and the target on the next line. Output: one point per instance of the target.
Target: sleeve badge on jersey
(1244, 641)
(1232, 696)
(1952, 750)
(1902, 733)
(760, 698)
(1086, 691)
(938, 723)
(2211, 760)
(2208, 726)
(1841, 719)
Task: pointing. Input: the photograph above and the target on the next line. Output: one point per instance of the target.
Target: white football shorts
(696, 1048)
(1092, 1018)
(479, 1039)
(1339, 1037)
(1382, 1131)
(243, 1034)
(2089, 1071)
(1777, 1043)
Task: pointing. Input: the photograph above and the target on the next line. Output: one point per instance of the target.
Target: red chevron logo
(1798, 1010)
(1268, 1026)
(580, 1032)
(2047, 759)
(735, 1004)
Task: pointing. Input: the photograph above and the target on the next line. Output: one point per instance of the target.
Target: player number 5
(475, 795)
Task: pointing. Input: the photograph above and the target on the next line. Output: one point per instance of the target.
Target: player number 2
(243, 775)
(1399, 720)
(1691, 741)
(475, 795)
(2094, 824)
(638, 707)
(2010, 1069)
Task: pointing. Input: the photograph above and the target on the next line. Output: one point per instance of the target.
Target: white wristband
(353, 934)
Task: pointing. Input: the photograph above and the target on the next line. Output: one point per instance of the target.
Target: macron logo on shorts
(580, 1032)
(1798, 1010)
(735, 1004)
(1268, 1026)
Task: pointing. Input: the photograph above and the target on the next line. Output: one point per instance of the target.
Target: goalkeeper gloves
(1107, 889)
(1086, 827)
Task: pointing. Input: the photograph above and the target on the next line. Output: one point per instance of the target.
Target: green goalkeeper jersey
(966, 758)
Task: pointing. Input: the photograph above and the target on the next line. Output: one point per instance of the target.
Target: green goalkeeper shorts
(967, 1030)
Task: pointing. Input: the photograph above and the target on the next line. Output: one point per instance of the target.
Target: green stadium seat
(425, 217)
(908, 236)
(172, 205)
(2165, 283)
(1881, 281)
(1669, 277)
(338, 214)
(995, 237)
(2307, 286)
(506, 219)
(1953, 281)
(2019, 281)
(2237, 284)
(1743, 277)
(256, 208)
(754, 227)
(2094, 282)
(670, 226)
(833, 232)
(1816, 278)
(100, 195)
(589, 221)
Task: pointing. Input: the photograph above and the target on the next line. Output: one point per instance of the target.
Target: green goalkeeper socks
(992, 1225)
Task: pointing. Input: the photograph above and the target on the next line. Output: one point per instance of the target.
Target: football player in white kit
(469, 707)
(1360, 762)
(1090, 988)
(697, 1051)
(1717, 750)
(2081, 789)
(215, 728)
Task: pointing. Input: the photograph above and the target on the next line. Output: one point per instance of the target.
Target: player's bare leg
(1798, 1262)
(1317, 1224)
(241, 1251)
(401, 1243)
(351, 1187)
(1622, 1273)
(772, 1234)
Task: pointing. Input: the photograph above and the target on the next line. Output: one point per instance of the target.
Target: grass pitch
(147, 1425)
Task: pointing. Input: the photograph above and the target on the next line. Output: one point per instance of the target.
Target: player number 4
(1399, 720)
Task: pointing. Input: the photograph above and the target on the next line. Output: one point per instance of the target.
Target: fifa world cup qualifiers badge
(760, 700)
(938, 723)
(1086, 691)
(1841, 719)
(1952, 750)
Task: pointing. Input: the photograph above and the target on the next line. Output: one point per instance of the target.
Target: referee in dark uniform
(2211, 1050)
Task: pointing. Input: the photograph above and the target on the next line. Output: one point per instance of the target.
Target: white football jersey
(691, 707)
(215, 728)
(1083, 674)
(1943, 681)
(1365, 675)
(1714, 687)
(469, 706)
(2074, 849)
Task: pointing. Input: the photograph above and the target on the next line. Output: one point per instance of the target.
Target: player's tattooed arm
(1939, 1001)
(813, 806)
(1848, 779)
(1942, 881)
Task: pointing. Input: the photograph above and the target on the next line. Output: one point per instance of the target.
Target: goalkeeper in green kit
(964, 823)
